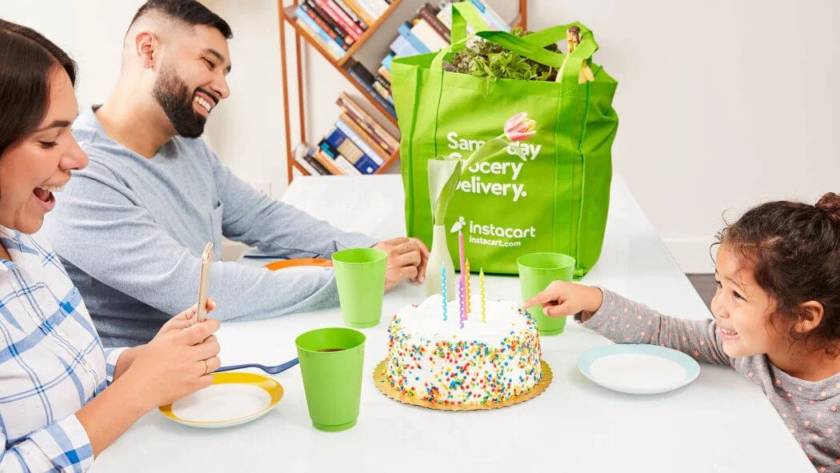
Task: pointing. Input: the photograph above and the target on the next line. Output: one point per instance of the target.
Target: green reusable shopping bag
(554, 194)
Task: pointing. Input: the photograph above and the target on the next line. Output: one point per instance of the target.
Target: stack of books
(337, 24)
(428, 31)
(356, 144)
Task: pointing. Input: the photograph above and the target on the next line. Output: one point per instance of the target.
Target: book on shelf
(327, 162)
(387, 60)
(326, 23)
(386, 140)
(335, 34)
(385, 73)
(314, 164)
(318, 35)
(493, 20)
(363, 76)
(358, 143)
(401, 46)
(308, 168)
(346, 166)
(428, 36)
(405, 31)
(333, 11)
(377, 7)
(350, 151)
(345, 155)
(361, 139)
(383, 88)
(354, 17)
(367, 15)
(366, 165)
(429, 13)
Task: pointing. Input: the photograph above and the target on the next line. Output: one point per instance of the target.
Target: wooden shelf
(340, 64)
(288, 17)
(388, 161)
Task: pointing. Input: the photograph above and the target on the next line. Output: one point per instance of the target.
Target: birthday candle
(483, 296)
(461, 301)
(443, 290)
(468, 289)
(461, 279)
(461, 251)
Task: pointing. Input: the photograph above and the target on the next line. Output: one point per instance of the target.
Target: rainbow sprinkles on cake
(480, 362)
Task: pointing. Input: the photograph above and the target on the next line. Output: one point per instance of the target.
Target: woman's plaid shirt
(51, 361)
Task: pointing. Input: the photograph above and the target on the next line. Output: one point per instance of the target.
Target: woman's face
(39, 164)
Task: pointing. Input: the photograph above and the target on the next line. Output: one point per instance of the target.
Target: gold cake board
(381, 381)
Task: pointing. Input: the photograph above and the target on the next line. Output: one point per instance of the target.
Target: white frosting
(426, 320)
(439, 361)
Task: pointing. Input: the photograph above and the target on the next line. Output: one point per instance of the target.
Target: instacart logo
(489, 234)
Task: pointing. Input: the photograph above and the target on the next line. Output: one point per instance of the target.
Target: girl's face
(39, 164)
(742, 309)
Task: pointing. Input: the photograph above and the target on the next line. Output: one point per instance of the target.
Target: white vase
(439, 258)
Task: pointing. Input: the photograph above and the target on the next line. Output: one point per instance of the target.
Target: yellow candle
(483, 296)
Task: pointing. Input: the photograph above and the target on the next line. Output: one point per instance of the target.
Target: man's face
(192, 79)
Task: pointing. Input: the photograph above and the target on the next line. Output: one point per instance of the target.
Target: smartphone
(203, 282)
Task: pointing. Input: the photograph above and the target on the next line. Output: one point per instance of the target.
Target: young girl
(776, 316)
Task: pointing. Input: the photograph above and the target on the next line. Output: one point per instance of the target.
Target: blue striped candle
(443, 289)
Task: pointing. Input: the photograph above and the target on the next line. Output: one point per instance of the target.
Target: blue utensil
(268, 369)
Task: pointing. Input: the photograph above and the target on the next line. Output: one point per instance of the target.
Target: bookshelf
(303, 35)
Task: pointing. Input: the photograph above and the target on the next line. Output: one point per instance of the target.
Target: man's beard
(174, 97)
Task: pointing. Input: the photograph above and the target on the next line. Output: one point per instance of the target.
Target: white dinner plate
(234, 398)
(638, 369)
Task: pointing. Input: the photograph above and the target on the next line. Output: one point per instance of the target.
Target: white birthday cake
(484, 361)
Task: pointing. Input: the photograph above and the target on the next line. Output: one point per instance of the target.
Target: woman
(63, 399)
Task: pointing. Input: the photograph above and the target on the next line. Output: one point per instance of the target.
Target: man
(133, 224)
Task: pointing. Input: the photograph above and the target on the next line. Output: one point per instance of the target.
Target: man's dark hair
(26, 58)
(189, 11)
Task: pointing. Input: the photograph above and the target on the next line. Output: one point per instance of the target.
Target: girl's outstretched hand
(563, 298)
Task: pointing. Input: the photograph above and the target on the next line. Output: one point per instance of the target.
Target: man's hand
(407, 258)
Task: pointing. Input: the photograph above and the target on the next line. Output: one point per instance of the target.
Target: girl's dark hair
(794, 250)
(26, 58)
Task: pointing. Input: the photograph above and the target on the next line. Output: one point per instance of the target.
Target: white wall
(723, 103)
(91, 31)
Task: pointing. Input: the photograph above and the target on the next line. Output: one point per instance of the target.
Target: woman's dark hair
(794, 251)
(26, 58)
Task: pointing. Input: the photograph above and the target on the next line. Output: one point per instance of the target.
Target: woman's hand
(185, 318)
(178, 361)
(562, 298)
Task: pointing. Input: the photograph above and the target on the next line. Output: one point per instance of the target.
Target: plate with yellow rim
(234, 398)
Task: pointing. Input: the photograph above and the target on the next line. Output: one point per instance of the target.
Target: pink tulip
(519, 127)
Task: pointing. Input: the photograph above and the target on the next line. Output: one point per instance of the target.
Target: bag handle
(531, 46)
(465, 14)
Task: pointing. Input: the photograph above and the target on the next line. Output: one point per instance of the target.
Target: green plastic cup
(331, 361)
(360, 275)
(536, 272)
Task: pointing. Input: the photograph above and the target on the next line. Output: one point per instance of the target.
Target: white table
(720, 423)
